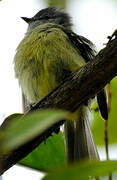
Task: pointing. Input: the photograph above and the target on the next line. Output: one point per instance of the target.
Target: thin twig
(106, 139)
(109, 96)
(106, 126)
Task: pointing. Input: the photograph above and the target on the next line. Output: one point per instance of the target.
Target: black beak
(28, 20)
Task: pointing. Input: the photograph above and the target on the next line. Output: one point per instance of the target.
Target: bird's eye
(44, 17)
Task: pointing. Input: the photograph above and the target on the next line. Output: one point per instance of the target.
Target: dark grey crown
(52, 15)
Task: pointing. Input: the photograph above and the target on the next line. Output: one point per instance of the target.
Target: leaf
(11, 118)
(27, 127)
(98, 123)
(83, 171)
(48, 156)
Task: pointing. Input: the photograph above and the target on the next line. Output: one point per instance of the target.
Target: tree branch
(79, 87)
(84, 83)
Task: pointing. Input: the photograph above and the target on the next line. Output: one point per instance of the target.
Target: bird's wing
(88, 52)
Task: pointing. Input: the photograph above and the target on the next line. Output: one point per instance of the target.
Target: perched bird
(48, 54)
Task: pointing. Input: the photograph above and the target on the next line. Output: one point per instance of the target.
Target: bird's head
(49, 15)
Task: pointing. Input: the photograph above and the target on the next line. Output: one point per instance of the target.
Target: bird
(49, 52)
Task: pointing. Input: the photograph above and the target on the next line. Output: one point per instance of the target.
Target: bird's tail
(79, 140)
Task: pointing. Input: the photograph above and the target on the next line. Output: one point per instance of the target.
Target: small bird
(48, 54)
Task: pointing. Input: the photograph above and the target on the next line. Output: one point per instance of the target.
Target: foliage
(49, 156)
(54, 150)
(22, 128)
(83, 171)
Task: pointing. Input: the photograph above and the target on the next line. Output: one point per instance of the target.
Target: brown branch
(79, 87)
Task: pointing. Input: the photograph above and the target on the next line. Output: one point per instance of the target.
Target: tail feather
(69, 140)
(80, 145)
(84, 144)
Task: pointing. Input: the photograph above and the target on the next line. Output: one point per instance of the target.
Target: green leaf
(98, 123)
(27, 127)
(83, 170)
(48, 156)
(11, 118)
